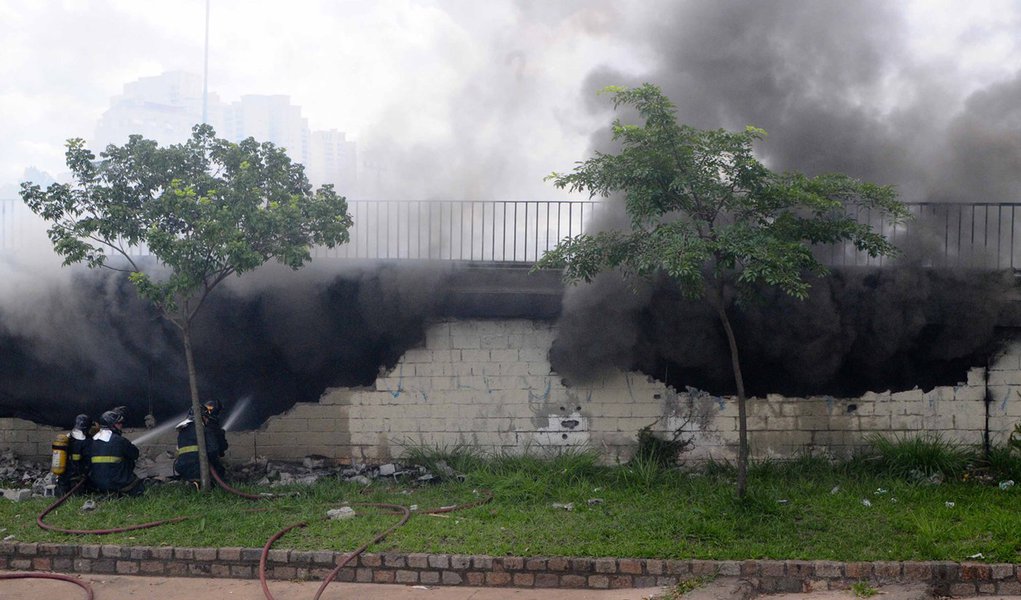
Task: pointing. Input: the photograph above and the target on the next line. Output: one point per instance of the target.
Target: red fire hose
(78, 582)
(52, 507)
(395, 508)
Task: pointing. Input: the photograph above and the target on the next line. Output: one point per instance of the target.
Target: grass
(862, 589)
(802, 509)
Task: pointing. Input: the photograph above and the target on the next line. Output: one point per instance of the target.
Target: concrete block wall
(488, 385)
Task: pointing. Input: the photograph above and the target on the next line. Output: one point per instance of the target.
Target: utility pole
(205, 73)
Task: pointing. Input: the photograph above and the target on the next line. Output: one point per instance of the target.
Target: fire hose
(394, 508)
(78, 582)
(52, 507)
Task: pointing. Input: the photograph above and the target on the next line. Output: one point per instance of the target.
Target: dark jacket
(112, 462)
(187, 463)
(77, 457)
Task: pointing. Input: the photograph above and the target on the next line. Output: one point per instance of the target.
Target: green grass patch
(802, 509)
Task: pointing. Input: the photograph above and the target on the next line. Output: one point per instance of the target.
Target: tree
(706, 212)
(205, 210)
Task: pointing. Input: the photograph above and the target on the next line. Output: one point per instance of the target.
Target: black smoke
(276, 338)
(837, 88)
(859, 330)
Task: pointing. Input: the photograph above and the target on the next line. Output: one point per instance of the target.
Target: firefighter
(112, 458)
(77, 466)
(187, 463)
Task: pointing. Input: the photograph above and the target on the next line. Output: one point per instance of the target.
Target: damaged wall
(487, 384)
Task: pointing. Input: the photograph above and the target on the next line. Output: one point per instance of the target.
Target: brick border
(505, 571)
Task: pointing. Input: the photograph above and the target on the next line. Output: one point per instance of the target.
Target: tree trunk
(196, 408)
(742, 408)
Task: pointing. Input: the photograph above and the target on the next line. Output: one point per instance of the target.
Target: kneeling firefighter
(187, 464)
(70, 455)
(112, 458)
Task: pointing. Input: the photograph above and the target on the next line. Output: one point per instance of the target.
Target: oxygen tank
(58, 463)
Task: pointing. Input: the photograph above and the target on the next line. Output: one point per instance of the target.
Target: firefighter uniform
(112, 458)
(77, 455)
(187, 463)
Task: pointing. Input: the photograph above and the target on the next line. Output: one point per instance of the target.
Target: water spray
(239, 409)
(158, 430)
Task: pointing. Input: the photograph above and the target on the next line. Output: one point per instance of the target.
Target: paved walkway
(116, 587)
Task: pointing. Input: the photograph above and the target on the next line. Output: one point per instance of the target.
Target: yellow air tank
(58, 463)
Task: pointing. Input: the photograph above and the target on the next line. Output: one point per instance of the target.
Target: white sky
(398, 68)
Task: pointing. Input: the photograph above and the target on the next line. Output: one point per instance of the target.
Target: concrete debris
(568, 506)
(1006, 485)
(314, 461)
(159, 466)
(344, 512)
(17, 475)
(17, 495)
(88, 505)
(594, 501)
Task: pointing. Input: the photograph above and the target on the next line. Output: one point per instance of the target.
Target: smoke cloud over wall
(838, 86)
(838, 89)
(276, 337)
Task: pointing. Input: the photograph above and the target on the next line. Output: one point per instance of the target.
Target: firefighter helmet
(82, 422)
(211, 408)
(111, 418)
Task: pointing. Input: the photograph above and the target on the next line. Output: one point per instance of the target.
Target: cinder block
(968, 393)
(534, 354)
(874, 423)
(970, 421)
(460, 341)
(437, 336)
(1011, 377)
(915, 395)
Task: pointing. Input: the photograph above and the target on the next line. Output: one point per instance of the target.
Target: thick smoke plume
(277, 338)
(859, 330)
(836, 88)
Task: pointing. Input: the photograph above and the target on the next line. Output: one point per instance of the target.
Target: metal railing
(970, 236)
(975, 236)
(485, 231)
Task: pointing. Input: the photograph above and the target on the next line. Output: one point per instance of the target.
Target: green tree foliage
(705, 211)
(205, 210)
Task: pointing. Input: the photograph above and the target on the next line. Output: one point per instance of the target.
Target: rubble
(344, 512)
(18, 477)
(17, 495)
(159, 466)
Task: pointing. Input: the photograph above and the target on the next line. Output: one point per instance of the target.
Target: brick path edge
(504, 571)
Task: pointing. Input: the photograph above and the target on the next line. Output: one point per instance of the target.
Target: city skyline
(448, 99)
(165, 107)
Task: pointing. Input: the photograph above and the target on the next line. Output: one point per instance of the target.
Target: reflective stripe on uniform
(106, 459)
(187, 449)
(76, 457)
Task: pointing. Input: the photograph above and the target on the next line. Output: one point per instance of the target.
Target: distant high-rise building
(332, 159)
(166, 107)
(162, 108)
(269, 119)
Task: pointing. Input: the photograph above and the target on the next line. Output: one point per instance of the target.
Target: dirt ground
(115, 587)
